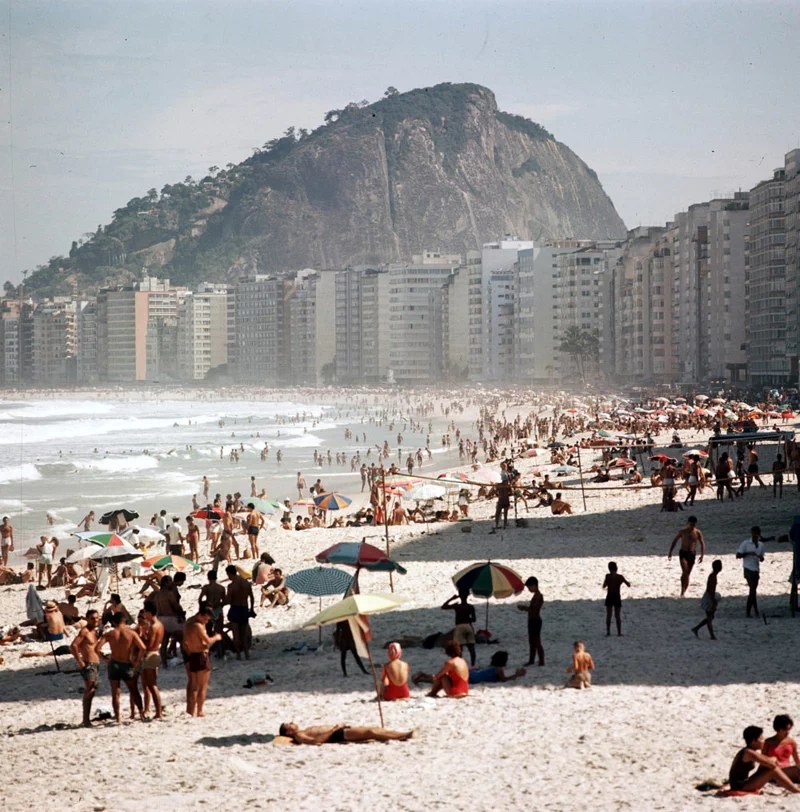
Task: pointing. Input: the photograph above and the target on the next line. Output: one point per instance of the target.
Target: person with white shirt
(161, 522)
(175, 537)
(751, 552)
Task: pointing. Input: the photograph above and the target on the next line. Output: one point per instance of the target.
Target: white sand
(666, 710)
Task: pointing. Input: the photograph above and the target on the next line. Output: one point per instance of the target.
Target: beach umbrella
(531, 452)
(319, 581)
(659, 457)
(555, 444)
(213, 514)
(773, 414)
(305, 503)
(456, 475)
(621, 462)
(263, 505)
(128, 515)
(487, 476)
(175, 562)
(116, 550)
(695, 452)
(138, 533)
(718, 400)
(34, 608)
(359, 555)
(489, 579)
(355, 610)
(565, 469)
(787, 415)
(701, 397)
(332, 501)
(425, 491)
(99, 537)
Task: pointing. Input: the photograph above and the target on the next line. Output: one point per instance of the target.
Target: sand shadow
(232, 741)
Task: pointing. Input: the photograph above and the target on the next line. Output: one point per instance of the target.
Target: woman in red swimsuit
(454, 676)
(783, 747)
(394, 676)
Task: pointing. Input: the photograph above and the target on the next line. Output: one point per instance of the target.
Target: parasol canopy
(355, 605)
(128, 515)
(621, 462)
(137, 533)
(212, 514)
(692, 452)
(487, 578)
(263, 505)
(332, 501)
(175, 562)
(99, 537)
(425, 491)
(319, 581)
(565, 469)
(359, 554)
(116, 550)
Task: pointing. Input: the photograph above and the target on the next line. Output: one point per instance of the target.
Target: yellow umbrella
(350, 609)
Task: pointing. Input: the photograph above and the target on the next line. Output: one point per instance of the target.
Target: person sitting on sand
(398, 515)
(453, 677)
(114, 605)
(783, 747)
(69, 610)
(581, 668)
(749, 758)
(275, 590)
(394, 675)
(559, 507)
(54, 628)
(340, 734)
(495, 672)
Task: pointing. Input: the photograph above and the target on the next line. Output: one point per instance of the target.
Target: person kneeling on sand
(559, 506)
(340, 734)
(582, 665)
(394, 675)
(453, 677)
(749, 758)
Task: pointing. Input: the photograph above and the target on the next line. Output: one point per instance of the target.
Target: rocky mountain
(438, 168)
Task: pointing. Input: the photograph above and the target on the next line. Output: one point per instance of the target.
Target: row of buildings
(713, 295)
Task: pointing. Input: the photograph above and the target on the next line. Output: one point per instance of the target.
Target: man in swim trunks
(83, 650)
(170, 613)
(340, 734)
(534, 609)
(214, 595)
(464, 632)
(613, 584)
(241, 601)
(54, 621)
(152, 659)
(6, 539)
(126, 651)
(196, 643)
(689, 537)
(255, 521)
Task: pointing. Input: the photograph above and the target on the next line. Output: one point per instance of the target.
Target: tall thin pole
(386, 523)
(375, 680)
(580, 474)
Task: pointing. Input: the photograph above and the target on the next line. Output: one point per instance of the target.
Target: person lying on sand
(495, 672)
(340, 734)
(749, 758)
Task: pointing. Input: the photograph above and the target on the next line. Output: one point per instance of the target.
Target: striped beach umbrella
(175, 562)
(102, 538)
(359, 554)
(489, 579)
(332, 501)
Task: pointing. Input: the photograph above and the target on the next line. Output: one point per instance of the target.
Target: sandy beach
(665, 713)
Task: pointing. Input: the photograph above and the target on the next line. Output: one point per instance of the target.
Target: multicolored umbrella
(400, 481)
(489, 579)
(212, 514)
(425, 491)
(175, 562)
(359, 554)
(621, 462)
(117, 550)
(695, 452)
(98, 537)
(332, 501)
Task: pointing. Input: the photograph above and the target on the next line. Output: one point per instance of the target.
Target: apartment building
(202, 332)
(122, 315)
(791, 202)
(55, 343)
(312, 327)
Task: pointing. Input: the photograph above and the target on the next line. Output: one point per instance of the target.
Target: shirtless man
(152, 660)
(83, 650)
(214, 595)
(126, 651)
(196, 642)
(301, 485)
(689, 537)
(6, 539)
(340, 734)
(255, 521)
(241, 601)
(54, 620)
(559, 507)
(613, 584)
(534, 610)
(170, 611)
(228, 524)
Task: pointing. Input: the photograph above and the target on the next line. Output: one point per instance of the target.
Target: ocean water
(70, 456)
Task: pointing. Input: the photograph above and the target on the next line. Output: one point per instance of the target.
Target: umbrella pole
(487, 614)
(375, 680)
(320, 628)
(580, 474)
(386, 523)
(58, 668)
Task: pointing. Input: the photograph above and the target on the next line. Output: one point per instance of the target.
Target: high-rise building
(122, 315)
(54, 343)
(765, 292)
(202, 332)
(86, 330)
(792, 258)
(312, 327)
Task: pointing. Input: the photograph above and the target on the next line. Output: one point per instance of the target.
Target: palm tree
(580, 345)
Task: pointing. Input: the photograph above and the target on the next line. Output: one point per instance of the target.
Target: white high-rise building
(202, 332)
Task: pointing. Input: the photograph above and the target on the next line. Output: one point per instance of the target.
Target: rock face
(440, 168)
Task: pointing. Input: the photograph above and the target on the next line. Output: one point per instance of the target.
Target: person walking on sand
(778, 469)
(196, 642)
(613, 585)
(126, 651)
(534, 610)
(242, 603)
(83, 650)
(152, 660)
(751, 553)
(503, 490)
(689, 538)
(581, 668)
(255, 521)
(710, 601)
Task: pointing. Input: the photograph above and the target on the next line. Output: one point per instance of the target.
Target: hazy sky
(670, 102)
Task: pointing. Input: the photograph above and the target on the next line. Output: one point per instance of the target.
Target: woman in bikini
(453, 678)
(581, 668)
(394, 676)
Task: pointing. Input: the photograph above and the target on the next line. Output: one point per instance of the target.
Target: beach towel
(735, 793)
(34, 608)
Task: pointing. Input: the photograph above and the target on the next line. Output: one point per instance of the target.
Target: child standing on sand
(613, 584)
(710, 601)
